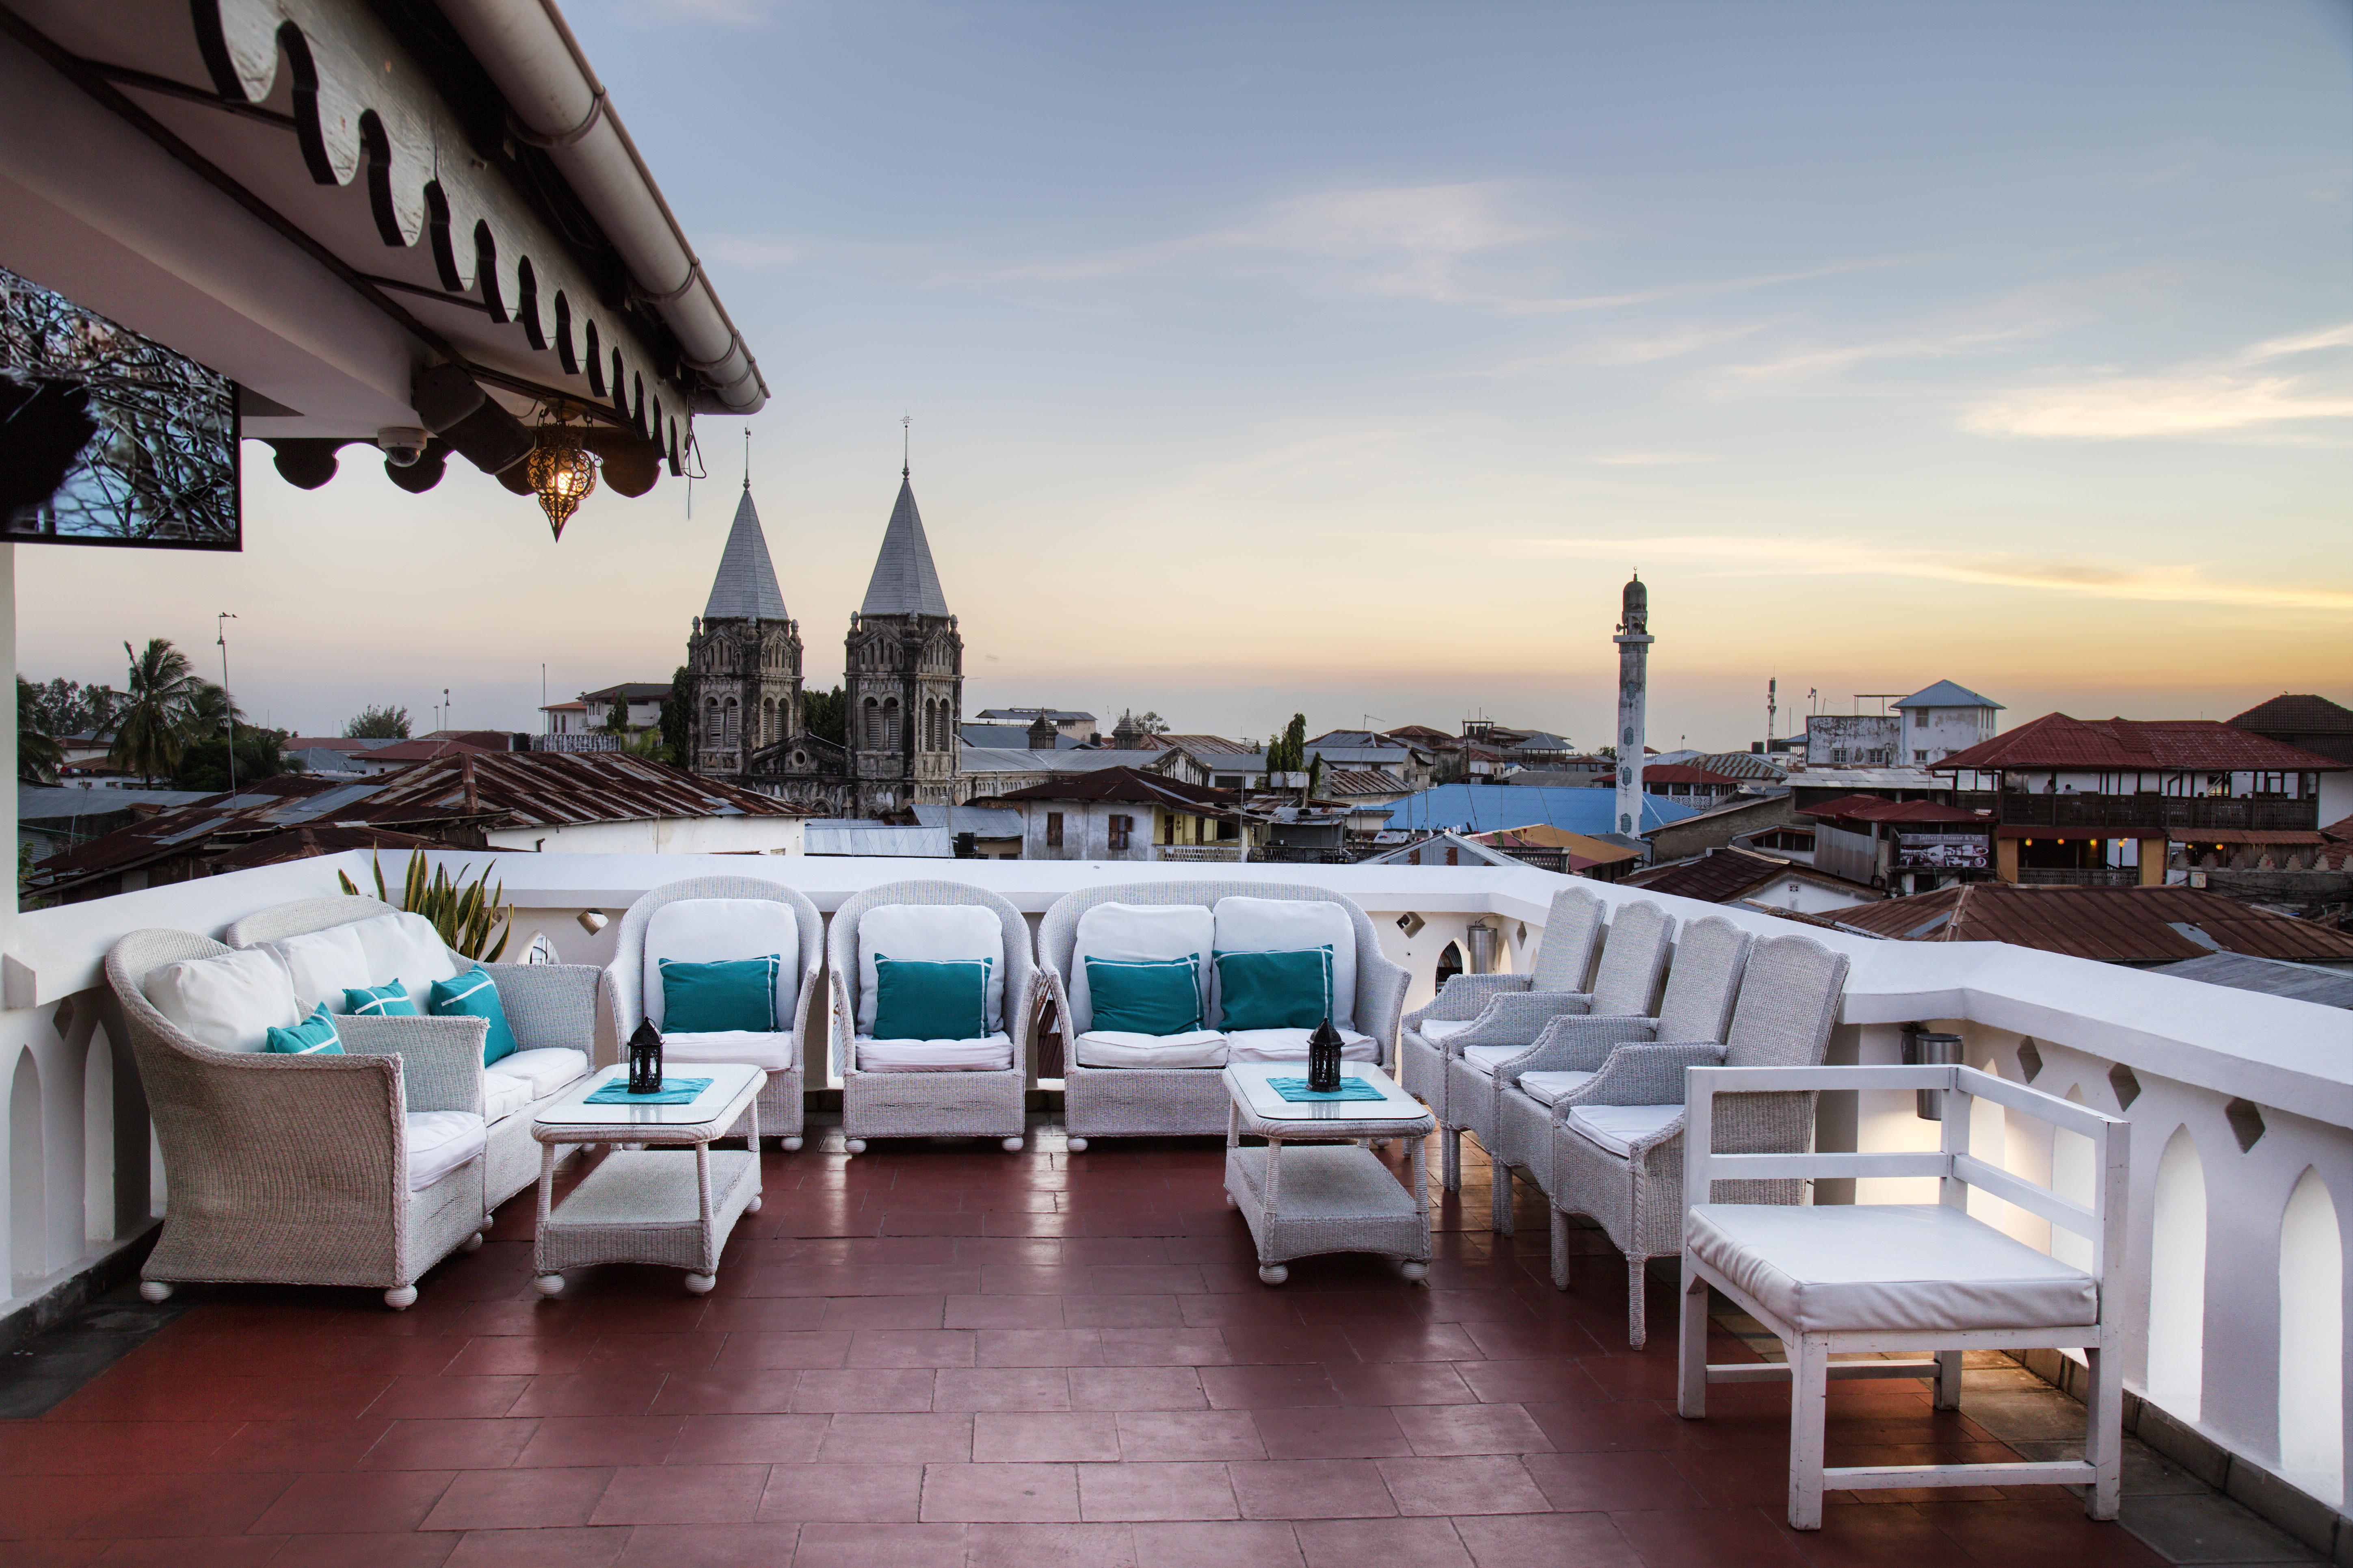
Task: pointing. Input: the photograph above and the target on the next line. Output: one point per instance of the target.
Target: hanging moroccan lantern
(561, 472)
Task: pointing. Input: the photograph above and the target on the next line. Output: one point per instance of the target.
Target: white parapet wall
(2240, 1105)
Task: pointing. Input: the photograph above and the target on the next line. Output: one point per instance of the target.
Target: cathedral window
(891, 721)
(875, 738)
(768, 721)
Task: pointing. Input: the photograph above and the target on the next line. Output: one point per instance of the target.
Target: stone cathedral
(903, 680)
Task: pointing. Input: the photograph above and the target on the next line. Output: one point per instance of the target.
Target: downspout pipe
(560, 106)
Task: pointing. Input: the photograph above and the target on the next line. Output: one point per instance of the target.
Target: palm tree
(38, 751)
(158, 714)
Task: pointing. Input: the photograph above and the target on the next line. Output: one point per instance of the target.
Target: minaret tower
(1633, 640)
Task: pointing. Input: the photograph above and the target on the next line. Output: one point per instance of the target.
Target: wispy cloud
(2226, 397)
(1832, 555)
(729, 13)
(1652, 459)
(1813, 364)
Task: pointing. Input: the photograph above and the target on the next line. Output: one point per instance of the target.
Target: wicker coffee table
(662, 1194)
(1315, 1187)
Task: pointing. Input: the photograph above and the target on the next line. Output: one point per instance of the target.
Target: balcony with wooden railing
(2150, 813)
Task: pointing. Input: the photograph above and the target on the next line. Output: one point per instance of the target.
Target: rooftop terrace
(940, 1354)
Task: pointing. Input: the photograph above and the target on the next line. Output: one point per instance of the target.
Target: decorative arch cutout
(29, 1178)
(2311, 1342)
(2176, 1281)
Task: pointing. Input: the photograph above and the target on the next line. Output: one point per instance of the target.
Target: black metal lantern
(1324, 1059)
(646, 1059)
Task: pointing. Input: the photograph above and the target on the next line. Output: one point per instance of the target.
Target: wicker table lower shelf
(646, 1206)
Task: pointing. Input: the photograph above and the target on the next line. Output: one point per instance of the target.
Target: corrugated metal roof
(1715, 877)
(1122, 784)
(905, 582)
(745, 583)
(2241, 971)
(2113, 925)
(1081, 760)
(531, 789)
(2056, 740)
(981, 821)
(1946, 694)
(853, 835)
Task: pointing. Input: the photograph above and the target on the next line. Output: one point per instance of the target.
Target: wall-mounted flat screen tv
(107, 437)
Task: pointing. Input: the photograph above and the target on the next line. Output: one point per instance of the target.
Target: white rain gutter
(561, 107)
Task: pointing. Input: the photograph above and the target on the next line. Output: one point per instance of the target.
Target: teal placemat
(1297, 1088)
(674, 1091)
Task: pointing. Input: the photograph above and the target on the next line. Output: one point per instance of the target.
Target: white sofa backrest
(929, 933)
(1287, 925)
(1134, 931)
(228, 1001)
(378, 950)
(714, 931)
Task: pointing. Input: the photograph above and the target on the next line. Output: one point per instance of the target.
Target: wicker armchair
(979, 1104)
(1788, 1002)
(779, 1111)
(1703, 983)
(294, 1170)
(1142, 1102)
(1572, 930)
(548, 1006)
(1625, 983)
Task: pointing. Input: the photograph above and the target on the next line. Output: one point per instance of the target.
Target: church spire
(905, 582)
(745, 587)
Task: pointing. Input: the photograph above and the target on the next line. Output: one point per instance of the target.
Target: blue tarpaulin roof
(1483, 808)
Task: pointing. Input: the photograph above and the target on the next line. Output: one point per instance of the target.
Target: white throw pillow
(323, 964)
(1131, 932)
(1292, 925)
(228, 1002)
(715, 930)
(403, 947)
(929, 933)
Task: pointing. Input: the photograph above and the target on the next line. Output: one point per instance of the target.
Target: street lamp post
(229, 703)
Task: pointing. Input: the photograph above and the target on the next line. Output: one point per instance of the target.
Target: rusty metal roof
(2152, 745)
(1130, 786)
(534, 789)
(1716, 876)
(2113, 925)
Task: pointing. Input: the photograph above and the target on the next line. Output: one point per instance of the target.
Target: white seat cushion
(1487, 1059)
(994, 1053)
(323, 964)
(716, 931)
(1617, 1128)
(503, 1096)
(1111, 1049)
(1892, 1267)
(772, 1053)
(1290, 1046)
(403, 947)
(439, 1143)
(1137, 933)
(1439, 1030)
(1291, 925)
(929, 933)
(546, 1070)
(1544, 1087)
(228, 1002)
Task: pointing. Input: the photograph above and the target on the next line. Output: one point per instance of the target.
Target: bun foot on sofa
(789, 1146)
(473, 1243)
(401, 1298)
(1013, 1145)
(548, 1284)
(154, 1289)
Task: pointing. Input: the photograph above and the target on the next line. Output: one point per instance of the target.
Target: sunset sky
(1344, 358)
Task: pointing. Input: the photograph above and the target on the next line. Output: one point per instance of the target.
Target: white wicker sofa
(974, 1088)
(551, 1008)
(361, 1169)
(1117, 1087)
(708, 919)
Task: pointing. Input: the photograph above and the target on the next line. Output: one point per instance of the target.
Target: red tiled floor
(1066, 1364)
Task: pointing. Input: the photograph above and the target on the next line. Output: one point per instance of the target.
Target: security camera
(402, 443)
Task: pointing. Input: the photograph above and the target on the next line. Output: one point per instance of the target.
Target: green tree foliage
(158, 710)
(678, 716)
(825, 715)
(374, 723)
(38, 754)
(204, 762)
(69, 708)
(1287, 753)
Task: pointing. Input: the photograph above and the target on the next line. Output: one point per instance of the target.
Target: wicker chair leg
(1499, 1196)
(1449, 1159)
(1560, 1250)
(1638, 1317)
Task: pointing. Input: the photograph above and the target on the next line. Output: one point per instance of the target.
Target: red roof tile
(2113, 925)
(2056, 740)
(1130, 786)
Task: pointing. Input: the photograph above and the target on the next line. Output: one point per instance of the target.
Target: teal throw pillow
(714, 998)
(474, 995)
(1275, 990)
(1145, 996)
(313, 1037)
(378, 1001)
(926, 1001)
